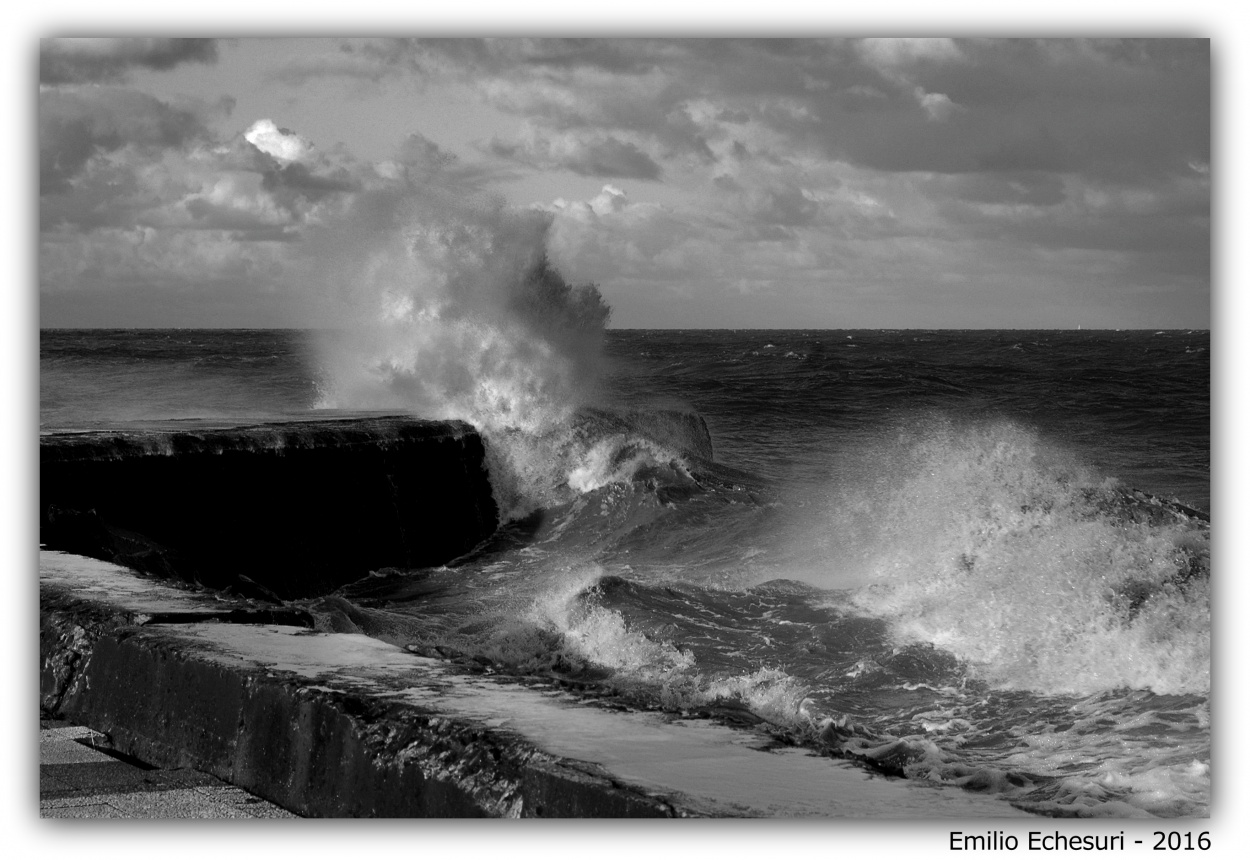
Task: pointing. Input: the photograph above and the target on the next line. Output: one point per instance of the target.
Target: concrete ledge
(198, 695)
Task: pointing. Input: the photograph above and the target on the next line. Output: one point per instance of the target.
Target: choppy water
(966, 557)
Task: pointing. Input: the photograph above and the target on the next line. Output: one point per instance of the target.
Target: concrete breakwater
(292, 509)
(333, 724)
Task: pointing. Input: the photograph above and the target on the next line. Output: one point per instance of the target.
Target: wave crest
(1040, 575)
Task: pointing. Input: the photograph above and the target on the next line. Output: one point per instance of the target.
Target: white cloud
(585, 154)
(890, 55)
(938, 106)
(610, 200)
(283, 144)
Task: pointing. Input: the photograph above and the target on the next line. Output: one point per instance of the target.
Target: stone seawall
(294, 509)
(309, 721)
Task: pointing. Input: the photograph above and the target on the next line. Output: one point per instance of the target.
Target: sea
(972, 558)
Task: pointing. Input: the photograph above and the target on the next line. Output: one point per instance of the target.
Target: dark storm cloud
(418, 151)
(610, 157)
(1012, 168)
(377, 59)
(554, 55)
(1095, 108)
(538, 56)
(783, 206)
(292, 186)
(206, 215)
(1167, 214)
(74, 126)
(69, 61)
(939, 105)
(1034, 188)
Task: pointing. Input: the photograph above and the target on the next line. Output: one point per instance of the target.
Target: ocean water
(977, 558)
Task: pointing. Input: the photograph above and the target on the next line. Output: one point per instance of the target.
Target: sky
(719, 183)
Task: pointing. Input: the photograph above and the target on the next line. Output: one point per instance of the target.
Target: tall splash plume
(448, 308)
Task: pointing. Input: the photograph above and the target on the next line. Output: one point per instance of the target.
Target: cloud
(139, 195)
(892, 56)
(67, 61)
(609, 200)
(301, 181)
(585, 155)
(1034, 188)
(418, 151)
(262, 214)
(76, 125)
(179, 238)
(298, 175)
(1044, 212)
(938, 106)
(645, 108)
(282, 144)
(847, 167)
(609, 236)
(157, 259)
(616, 99)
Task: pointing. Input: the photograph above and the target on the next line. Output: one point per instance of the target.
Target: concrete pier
(289, 509)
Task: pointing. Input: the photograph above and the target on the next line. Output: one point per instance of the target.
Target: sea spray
(990, 543)
(449, 308)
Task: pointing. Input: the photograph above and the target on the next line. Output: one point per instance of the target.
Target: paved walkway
(77, 780)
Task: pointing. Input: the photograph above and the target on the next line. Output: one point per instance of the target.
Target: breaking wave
(1010, 554)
